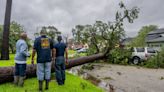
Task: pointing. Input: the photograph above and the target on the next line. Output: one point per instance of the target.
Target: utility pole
(6, 31)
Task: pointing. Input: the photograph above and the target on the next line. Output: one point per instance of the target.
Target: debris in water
(119, 73)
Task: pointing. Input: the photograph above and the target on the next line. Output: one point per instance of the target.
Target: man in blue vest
(43, 46)
(60, 49)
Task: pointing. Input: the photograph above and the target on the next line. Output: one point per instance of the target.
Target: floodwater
(100, 83)
(118, 78)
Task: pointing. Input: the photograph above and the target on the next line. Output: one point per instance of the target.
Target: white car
(142, 54)
(82, 50)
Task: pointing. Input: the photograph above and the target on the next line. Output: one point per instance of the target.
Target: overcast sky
(65, 14)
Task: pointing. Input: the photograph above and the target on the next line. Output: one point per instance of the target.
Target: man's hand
(53, 59)
(28, 54)
(66, 61)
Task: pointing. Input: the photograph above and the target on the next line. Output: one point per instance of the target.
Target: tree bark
(6, 73)
(5, 40)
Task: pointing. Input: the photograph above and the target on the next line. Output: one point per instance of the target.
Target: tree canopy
(15, 30)
(52, 32)
(102, 36)
(139, 41)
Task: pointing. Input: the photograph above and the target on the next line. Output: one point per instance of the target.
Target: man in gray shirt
(20, 60)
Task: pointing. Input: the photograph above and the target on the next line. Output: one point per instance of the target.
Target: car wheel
(136, 60)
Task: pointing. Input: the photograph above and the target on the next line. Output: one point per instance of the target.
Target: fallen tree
(7, 73)
(101, 37)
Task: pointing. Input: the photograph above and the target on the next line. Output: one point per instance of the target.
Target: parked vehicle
(77, 49)
(140, 54)
(82, 50)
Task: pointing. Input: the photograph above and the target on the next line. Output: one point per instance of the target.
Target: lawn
(73, 84)
(10, 62)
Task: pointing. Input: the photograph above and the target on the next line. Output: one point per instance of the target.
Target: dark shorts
(20, 70)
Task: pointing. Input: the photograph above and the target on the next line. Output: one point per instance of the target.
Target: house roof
(152, 36)
(126, 40)
(159, 39)
(157, 31)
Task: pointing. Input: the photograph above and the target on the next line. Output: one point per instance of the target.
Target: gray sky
(65, 14)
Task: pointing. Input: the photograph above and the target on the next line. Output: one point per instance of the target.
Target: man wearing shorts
(43, 46)
(20, 60)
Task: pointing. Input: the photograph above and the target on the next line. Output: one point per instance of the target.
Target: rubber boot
(40, 86)
(21, 81)
(16, 80)
(63, 82)
(47, 84)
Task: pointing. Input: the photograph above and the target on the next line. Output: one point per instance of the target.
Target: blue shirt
(60, 49)
(43, 46)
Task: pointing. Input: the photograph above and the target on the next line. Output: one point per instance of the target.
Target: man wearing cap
(59, 49)
(20, 60)
(43, 46)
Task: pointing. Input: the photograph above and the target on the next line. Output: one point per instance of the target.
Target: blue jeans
(20, 70)
(60, 69)
(44, 71)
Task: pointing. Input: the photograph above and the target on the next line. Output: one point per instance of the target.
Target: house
(76, 45)
(155, 39)
(126, 41)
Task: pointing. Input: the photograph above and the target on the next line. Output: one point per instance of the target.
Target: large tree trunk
(6, 73)
(6, 28)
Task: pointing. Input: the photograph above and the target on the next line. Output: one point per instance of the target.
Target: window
(150, 50)
(140, 49)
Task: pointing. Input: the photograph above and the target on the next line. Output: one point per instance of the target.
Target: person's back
(60, 49)
(43, 46)
(21, 50)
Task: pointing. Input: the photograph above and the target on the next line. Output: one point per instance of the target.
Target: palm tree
(6, 28)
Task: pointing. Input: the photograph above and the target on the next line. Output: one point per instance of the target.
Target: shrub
(120, 56)
(156, 61)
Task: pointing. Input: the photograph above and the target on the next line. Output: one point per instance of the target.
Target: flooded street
(96, 81)
(116, 78)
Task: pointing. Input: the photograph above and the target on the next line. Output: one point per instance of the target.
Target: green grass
(71, 51)
(75, 52)
(72, 84)
(11, 62)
